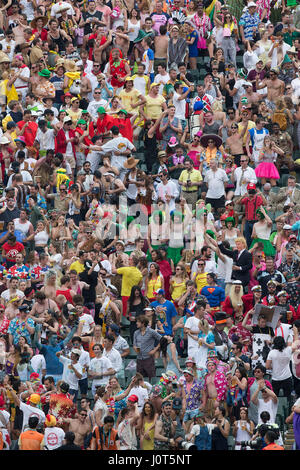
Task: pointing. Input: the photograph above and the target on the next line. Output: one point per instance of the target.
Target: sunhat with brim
(4, 140)
(142, 35)
(62, 9)
(44, 73)
(35, 20)
(131, 162)
(173, 142)
(188, 371)
(48, 98)
(292, 50)
(206, 137)
(4, 59)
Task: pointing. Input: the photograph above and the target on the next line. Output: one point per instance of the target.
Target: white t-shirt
(180, 106)
(192, 324)
(29, 411)
(280, 363)
(100, 365)
(6, 295)
(94, 105)
(268, 406)
(53, 437)
(161, 78)
(45, 139)
(239, 86)
(87, 320)
(84, 361)
(69, 375)
(215, 181)
(26, 177)
(142, 394)
(196, 429)
(38, 363)
(285, 330)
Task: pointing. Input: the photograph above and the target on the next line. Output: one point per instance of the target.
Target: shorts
(71, 160)
(216, 203)
(190, 414)
(83, 386)
(146, 367)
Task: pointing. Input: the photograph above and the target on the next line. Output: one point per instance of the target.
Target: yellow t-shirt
(201, 280)
(153, 106)
(153, 285)
(251, 124)
(128, 99)
(75, 116)
(131, 276)
(179, 288)
(77, 266)
(193, 176)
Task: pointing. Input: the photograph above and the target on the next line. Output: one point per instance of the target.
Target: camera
(255, 445)
(185, 445)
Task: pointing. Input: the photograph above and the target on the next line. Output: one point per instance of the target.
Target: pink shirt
(253, 282)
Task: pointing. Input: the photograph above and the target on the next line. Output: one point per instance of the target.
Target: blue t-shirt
(170, 312)
(53, 364)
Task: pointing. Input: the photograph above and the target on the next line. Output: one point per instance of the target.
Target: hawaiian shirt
(220, 384)
(17, 328)
(35, 273)
(193, 397)
(249, 22)
(4, 325)
(41, 202)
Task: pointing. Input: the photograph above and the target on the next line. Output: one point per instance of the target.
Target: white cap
(67, 119)
(251, 4)
(76, 351)
(247, 84)
(287, 227)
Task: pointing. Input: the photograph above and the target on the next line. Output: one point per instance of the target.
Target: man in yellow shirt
(78, 265)
(131, 276)
(130, 97)
(190, 180)
(155, 104)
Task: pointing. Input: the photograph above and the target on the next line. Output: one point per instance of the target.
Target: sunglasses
(210, 141)
(200, 264)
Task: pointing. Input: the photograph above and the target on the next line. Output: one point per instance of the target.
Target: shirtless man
(161, 44)
(42, 304)
(252, 97)
(80, 427)
(235, 143)
(275, 88)
(121, 40)
(85, 86)
(101, 49)
(215, 388)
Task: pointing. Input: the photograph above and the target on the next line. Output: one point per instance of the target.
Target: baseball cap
(101, 110)
(251, 186)
(64, 387)
(287, 227)
(67, 119)
(115, 328)
(159, 292)
(188, 371)
(177, 404)
(133, 398)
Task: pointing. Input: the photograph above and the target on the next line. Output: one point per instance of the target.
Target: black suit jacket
(244, 261)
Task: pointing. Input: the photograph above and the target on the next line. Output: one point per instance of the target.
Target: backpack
(280, 118)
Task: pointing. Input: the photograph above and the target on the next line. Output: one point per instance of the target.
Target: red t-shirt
(29, 133)
(11, 251)
(251, 206)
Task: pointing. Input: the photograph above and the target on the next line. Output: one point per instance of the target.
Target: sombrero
(141, 35)
(206, 137)
(35, 20)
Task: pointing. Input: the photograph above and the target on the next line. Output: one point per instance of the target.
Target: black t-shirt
(88, 27)
(69, 447)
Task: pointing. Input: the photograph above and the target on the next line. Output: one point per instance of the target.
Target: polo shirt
(193, 176)
(145, 342)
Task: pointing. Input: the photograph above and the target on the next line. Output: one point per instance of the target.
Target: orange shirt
(273, 447)
(30, 440)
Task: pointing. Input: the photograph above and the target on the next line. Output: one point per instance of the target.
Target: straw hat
(70, 65)
(35, 20)
(131, 163)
